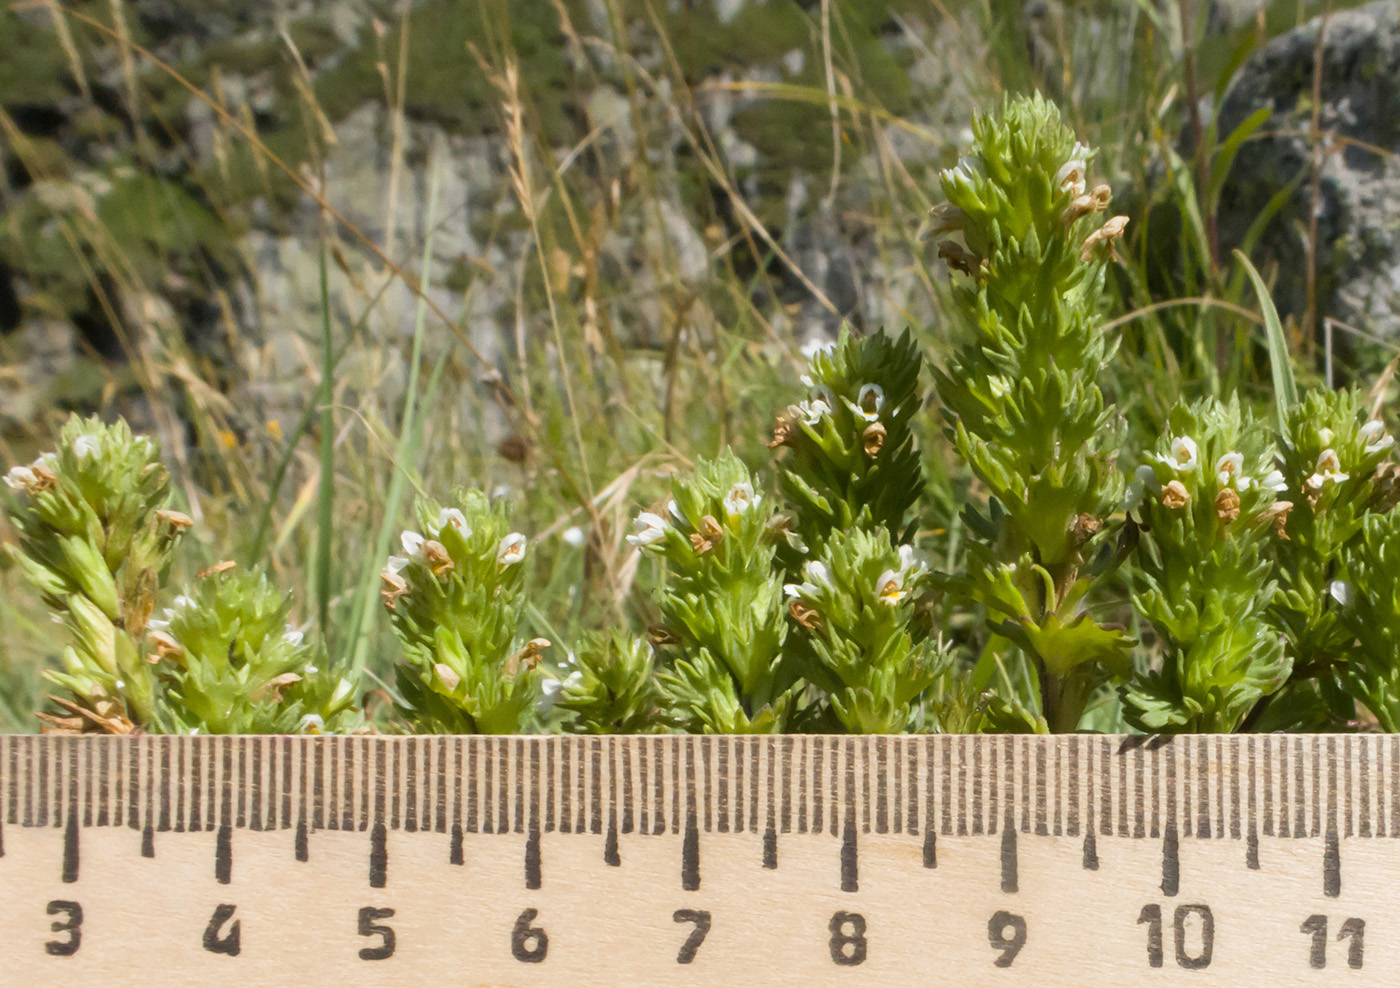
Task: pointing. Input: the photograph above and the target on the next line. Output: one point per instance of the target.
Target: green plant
(455, 600)
(96, 538)
(608, 686)
(1023, 406)
(723, 620)
(1205, 505)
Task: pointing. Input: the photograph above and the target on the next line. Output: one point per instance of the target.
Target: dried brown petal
(222, 567)
(804, 615)
(661, 635)
(394, 587)
(177, 520)
(1227, 505)
(1105, 235)
(435, 554)
(782, 432)
(1277, 515)
(1175, 495)
(1084, 528)
(527, 657)
(959, 258)
(873, 439)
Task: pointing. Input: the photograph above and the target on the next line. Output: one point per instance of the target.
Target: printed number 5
(701, 919)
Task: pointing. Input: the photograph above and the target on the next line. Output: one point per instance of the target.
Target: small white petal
(740, 498)
(1324, 436)
(180, 603)
(455, 518)
(511, 549)
(294, 638)
(574, 536)
(1372, 429)
(20, 479)
(85, 446)
(1184, 452)
(1342, 592)
(650, 528)
(412, 544)
(312, 724)
(396, 564)
(813, 347)
(1274, 481)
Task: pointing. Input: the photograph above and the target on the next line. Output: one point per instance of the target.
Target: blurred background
(556, 249)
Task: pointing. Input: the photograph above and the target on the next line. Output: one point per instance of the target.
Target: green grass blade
(1280, 361)
(325, 489)
(363, 612)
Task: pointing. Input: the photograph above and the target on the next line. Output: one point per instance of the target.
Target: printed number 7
(701, 919)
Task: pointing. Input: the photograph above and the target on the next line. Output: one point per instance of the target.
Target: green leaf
(1280, 361)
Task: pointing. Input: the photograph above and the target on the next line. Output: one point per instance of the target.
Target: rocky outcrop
(1358, 206)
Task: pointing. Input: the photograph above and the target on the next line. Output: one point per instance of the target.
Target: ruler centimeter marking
(714, 799)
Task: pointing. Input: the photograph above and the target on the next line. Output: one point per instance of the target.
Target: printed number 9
(996, 936)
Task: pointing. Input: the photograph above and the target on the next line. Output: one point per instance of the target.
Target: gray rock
(1358, 209)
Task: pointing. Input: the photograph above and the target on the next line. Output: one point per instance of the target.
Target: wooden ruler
(1080, 861)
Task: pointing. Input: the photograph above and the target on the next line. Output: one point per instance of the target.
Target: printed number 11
(1353, 929)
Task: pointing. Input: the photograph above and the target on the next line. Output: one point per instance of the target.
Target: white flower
(1144, 482)
(1328, 468)
(869, 401)
(814, 346)
(294, 638)
(551, 688)
(1231, 467)
(817, 576)
(312, 724)
(455, 518)
(650, 528)
(85, 446)
(1324, 436)
(20, 479)
(911, 560)
(574, 536)
(811, 412)
(1184, 454)
(1071, 176)
(310, 670)
(157, 625)
(412, 544)
(1342, 592)
(889, 587)
(1376, 439)
(511, 549)
(179, 604)
(396, 564)
(674, 510)
(740, 498)
(342, 690)
(1274, 481)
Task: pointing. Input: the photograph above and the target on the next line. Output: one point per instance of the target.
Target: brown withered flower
(959, 258)
(804, 615)
(1227, 505)
(782, 432)
(1277, 515)
(709, 535)
(873, 439)
(394, 587)
(435, 555)
(1175, 495)
(1105, 235)
(176, 520)
(1084, 528)
(528, 657)
(659, 634)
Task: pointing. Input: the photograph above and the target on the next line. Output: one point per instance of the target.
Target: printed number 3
(69, 947)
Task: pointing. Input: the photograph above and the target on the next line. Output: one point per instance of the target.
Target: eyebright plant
(455, 599)
(1205, 504)
(1024, 408)
(96, 538)
(723, 620)
(231, 664)
(857, 638)
(851, 460)
(607, 686)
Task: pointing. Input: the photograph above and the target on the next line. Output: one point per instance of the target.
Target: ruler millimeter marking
(815, 806)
